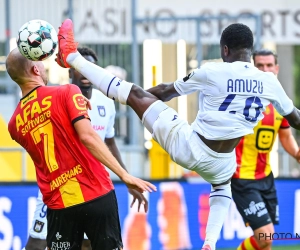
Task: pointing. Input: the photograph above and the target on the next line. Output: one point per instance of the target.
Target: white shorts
(186, 148)
(39, 225)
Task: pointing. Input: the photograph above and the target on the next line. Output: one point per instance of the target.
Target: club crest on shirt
(101, 111)
(38, 226)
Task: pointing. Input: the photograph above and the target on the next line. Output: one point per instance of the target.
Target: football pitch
(283, 247)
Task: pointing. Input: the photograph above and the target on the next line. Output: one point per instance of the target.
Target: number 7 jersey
(232, 98)
(67, 173)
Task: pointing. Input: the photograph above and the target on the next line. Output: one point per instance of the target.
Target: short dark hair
(237, 36)
(265, 52)
(84, 51)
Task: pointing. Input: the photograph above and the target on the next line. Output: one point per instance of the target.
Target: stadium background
(154, 41)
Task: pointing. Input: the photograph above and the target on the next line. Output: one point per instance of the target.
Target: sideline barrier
(176, 218)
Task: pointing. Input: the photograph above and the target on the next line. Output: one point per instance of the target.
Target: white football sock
(108, 84)
(219, 202)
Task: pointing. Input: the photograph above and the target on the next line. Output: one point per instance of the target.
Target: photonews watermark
(279, 236)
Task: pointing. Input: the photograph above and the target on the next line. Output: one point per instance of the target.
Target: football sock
(249, 244)
(152, 113)
(219, 202)
(108, 84)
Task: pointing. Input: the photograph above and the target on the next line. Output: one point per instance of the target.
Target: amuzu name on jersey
(245, 85)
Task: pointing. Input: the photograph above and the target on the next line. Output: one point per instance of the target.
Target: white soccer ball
(37, 40)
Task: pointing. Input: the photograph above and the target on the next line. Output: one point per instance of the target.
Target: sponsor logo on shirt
(33, 114)
(98, 127)
(63, 178)
(264, 138)
(79, 102)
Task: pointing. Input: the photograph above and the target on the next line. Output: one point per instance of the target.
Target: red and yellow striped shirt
(253, 151)
(67, 173)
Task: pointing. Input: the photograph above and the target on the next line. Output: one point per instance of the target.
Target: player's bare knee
(263, 236)
(264, 243)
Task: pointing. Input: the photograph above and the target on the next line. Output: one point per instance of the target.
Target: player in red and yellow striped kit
(253, 151)
(253, 188)
(51, 124)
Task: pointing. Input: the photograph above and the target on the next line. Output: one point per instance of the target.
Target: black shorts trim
(256, 201)
(98, 218)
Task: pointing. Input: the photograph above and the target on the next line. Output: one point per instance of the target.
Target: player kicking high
(232, 97)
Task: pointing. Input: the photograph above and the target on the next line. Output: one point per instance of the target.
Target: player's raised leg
(115, 88)
(119, 90)
(164, 123)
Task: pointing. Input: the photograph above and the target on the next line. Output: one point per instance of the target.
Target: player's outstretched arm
(294, 118)
(194, 81)
(289, 143)
(100, 151)
(137, 196)
(164, 91)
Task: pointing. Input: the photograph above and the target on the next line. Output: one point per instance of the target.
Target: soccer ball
(37, 40)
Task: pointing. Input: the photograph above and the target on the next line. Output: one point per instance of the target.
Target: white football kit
(102, 118)
(231, 101)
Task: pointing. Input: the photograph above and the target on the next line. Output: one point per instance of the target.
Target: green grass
(297, 247)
